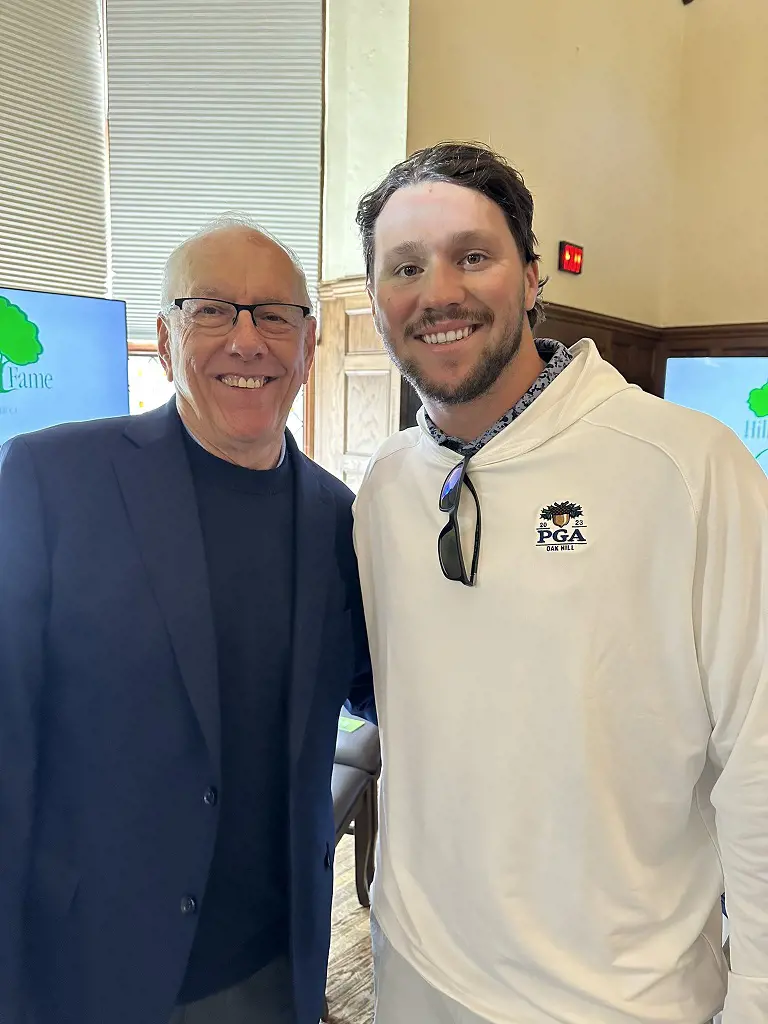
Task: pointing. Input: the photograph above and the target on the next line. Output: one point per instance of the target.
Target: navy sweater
(247, 523)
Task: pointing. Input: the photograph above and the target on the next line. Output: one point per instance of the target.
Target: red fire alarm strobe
(571, 258)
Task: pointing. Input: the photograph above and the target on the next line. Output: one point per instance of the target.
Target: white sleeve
(731, 625)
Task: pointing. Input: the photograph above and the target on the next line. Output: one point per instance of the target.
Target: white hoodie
(576, 749)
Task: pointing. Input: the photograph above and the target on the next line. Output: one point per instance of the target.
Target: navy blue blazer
(109, 727)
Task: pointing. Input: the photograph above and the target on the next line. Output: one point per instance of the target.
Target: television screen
(62, 358)
(733, 389)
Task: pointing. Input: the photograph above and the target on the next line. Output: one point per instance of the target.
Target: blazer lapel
(315, 538)
(159, 495)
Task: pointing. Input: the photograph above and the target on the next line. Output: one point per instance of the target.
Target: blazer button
(210, 796)
(188, 905)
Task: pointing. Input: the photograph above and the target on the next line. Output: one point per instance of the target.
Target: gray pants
(264, 998)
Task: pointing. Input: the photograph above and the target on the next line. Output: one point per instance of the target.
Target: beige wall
(366, 111)
(584, 99)
(718, 271)
(641, 127)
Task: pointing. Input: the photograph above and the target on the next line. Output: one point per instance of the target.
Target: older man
(180, 622)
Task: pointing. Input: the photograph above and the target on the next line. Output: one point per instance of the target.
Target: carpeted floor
(350, 974)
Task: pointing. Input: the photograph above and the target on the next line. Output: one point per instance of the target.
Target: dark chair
(355, 812)
(354, 787)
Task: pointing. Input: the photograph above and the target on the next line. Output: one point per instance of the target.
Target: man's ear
(531, 277)
(374, 308)
(164, 346)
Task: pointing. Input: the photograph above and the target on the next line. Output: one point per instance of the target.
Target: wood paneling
(640, 352)
(368, 412)
(359, 336)
(357, 389)
(631, 347)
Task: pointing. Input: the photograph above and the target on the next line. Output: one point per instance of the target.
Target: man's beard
(491, 363)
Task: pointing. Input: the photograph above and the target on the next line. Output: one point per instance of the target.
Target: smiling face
(450, 291)
(235, 385)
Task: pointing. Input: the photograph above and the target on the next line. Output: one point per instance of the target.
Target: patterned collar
(555, 355)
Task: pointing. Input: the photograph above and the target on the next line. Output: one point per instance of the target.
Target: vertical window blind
(212, 109)
(53, 207)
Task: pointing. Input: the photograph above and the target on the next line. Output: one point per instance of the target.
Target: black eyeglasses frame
(240, 307)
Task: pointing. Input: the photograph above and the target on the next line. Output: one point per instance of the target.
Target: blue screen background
(84, 360)
(732, 389)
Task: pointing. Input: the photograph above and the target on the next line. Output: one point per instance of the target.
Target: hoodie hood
(586, 383)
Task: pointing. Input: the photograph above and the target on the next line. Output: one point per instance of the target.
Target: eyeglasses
(217, 316)
(449, 542)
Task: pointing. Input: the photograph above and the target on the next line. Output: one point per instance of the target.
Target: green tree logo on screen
(758, 400)
(758, 405)
(19, 343)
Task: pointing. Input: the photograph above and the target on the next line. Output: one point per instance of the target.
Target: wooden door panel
(357, 389)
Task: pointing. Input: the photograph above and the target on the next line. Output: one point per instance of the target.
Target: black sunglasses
(449, 542)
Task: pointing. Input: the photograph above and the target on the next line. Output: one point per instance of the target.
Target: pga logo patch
(561, 527)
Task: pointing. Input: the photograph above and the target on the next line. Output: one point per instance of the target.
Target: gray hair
(222, 223)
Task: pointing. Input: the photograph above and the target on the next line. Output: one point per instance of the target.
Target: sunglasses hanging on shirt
(449, 548)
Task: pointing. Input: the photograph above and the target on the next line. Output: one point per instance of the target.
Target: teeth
(442, 337)
(232, 381)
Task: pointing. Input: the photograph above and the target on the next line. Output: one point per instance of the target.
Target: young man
(566, 587)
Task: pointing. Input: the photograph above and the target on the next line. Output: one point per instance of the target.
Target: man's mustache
(436, 316)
